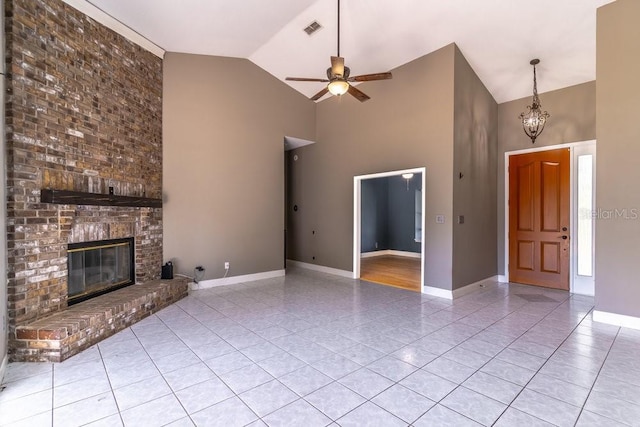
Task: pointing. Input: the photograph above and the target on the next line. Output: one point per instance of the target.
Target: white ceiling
(498, 37)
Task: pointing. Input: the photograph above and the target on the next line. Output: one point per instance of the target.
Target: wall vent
(312, 28)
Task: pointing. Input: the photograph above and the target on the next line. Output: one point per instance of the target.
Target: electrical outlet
(226, 265)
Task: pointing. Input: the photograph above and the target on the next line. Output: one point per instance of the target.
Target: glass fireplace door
(99, 267)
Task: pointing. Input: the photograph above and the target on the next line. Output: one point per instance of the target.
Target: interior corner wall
(474, 177)
(618, 149)
(573, 119)
(224, 123)
(407, 123)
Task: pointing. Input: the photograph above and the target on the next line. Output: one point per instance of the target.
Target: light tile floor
(312, 349)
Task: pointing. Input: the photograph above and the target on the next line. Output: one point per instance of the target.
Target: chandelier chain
(536, 99)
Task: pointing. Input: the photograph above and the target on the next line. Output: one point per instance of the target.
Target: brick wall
(83, 113)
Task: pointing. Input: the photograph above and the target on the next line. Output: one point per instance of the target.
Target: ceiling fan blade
(320, 94)
(305, 79)
(337, 65)
(370, 77)
(360, 95)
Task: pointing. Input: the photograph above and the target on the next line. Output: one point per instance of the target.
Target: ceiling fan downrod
(338, 28)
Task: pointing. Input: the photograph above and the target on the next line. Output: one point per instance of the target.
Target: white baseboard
(616, 319)
(502, 278)
(3, 367)
(233, 280)
(372, 254)
(406, 254)
(321, 268)
(438, 292)
(457, 293)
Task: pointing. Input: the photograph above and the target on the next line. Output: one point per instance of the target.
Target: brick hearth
(64, 334)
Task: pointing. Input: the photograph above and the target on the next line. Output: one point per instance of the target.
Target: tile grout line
(598, 375)
(559, 303)
(173, 392)
(478, 370)
(212, 371)
(110, 385)
(53, 390)
(545, 362)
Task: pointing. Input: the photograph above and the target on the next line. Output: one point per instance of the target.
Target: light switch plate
(439, 219)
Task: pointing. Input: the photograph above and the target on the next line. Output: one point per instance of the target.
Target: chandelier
(534, 119)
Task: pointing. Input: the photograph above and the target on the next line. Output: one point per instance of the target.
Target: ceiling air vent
(312, 28)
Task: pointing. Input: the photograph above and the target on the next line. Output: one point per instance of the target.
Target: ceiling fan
(338, 77)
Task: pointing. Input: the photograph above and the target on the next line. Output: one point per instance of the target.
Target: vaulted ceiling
(498, 37)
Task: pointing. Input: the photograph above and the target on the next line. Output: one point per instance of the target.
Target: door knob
(564, 237)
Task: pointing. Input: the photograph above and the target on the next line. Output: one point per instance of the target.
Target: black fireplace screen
(96, 268)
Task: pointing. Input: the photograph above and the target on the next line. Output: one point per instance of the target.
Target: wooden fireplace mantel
(66, 197)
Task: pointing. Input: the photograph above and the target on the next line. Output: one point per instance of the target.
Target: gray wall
(402, 213)
(224, 122)
(374, 209)
(407, 123)
(573, 119)
(474, 195)
(618, 151)
(388, 214)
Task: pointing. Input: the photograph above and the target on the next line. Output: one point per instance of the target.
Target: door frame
(572, 203)
(357, 216)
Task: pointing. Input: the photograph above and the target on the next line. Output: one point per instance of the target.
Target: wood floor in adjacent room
(399, 271)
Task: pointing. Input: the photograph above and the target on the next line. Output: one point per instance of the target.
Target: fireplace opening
(96, 268)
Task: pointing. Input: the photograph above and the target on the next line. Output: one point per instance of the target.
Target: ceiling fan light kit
(534, 119)
(338, 87)
(338, 79)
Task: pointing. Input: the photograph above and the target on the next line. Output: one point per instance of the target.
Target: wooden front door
(539, 191)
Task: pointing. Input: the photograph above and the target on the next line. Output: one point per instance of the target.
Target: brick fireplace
(83, 114)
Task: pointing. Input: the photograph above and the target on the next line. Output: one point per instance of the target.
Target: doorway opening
(290, 143)
(395, 259)
(560, 247)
